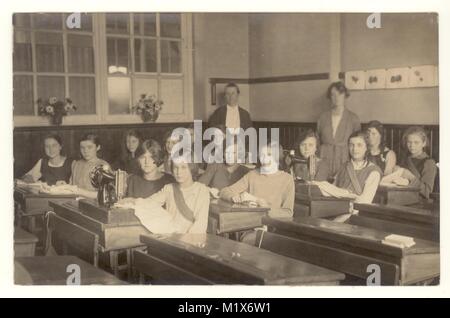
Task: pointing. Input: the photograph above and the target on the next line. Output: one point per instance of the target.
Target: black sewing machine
(291, 159)
(110, 184)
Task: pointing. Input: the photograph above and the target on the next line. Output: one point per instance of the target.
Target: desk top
(391, 188)
(353, 235)
(399, 212)
(52, 270)
(305, 197)
(28, 193)
(261, 264)
(221, 206)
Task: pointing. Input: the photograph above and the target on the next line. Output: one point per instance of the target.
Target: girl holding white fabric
(180, 207)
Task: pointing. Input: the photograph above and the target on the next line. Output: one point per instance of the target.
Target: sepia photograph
(226, 148)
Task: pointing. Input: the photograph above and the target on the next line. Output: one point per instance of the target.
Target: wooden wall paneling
(28, 141)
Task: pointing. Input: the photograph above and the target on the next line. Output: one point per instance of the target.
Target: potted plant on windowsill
(148, 107)
(55, 109)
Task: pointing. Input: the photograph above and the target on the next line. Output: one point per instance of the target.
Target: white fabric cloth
(161, 220)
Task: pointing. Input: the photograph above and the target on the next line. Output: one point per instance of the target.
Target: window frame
(101, 77)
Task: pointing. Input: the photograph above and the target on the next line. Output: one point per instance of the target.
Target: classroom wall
(289, 44)
(221, 50)
(307, 43)
(414, 42)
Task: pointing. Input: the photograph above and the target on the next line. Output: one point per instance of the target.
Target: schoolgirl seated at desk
(81, 169)
(379, 154)
(179, 207)
(359, 178)
(128, 158)
(267, 185)
(310, 167)
(221, 175)
(169, 142)
(150, 179)
(54, 168)
(419, 168)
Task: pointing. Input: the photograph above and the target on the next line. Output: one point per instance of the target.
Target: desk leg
(129, 264)
(114, 262)
(32, 224)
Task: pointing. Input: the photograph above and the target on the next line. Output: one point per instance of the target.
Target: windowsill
(95, 120)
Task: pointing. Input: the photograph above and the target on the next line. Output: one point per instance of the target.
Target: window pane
(22, 51)
(145, 55)
(80, 53)
(51, 21)
(118, 55)
(51, 86)
(170, 57)
(49, 52)
(170, 25)
(172, 96)
(119, 95)
(117, 23)
(21, 20)
(23, 95)
(85, 22)
(144, 86)
(82, 93)
(145, 24)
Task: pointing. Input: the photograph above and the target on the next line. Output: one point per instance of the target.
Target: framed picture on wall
(355, 80)
(376, 79)
(397, 77)
(422, 76)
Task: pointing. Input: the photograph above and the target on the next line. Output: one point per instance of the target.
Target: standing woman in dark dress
(378, 153)
(335, 127)
(53, 168)
(128, 160)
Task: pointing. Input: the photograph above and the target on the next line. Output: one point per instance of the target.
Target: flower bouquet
(55, 109)
(148, 107)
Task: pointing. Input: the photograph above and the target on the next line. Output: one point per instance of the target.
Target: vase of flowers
(55, 109)
(148, 107)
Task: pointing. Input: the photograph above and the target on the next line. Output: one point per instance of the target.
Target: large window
(52, 60)
(104, 66)
(144, 56)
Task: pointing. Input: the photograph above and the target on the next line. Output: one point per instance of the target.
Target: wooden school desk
(226, 217)
(210, 259)
(24, 243)
(118, 231)
(309, 201)
(32, 205)
(351, 249)
(404, 220)
(52, 270)
(398, 195)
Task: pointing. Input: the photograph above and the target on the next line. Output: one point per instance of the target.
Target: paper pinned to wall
(397, 77)
(423, 76)
(355, 79)
(376, 79)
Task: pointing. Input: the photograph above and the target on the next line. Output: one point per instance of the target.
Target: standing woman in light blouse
(335, 127)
